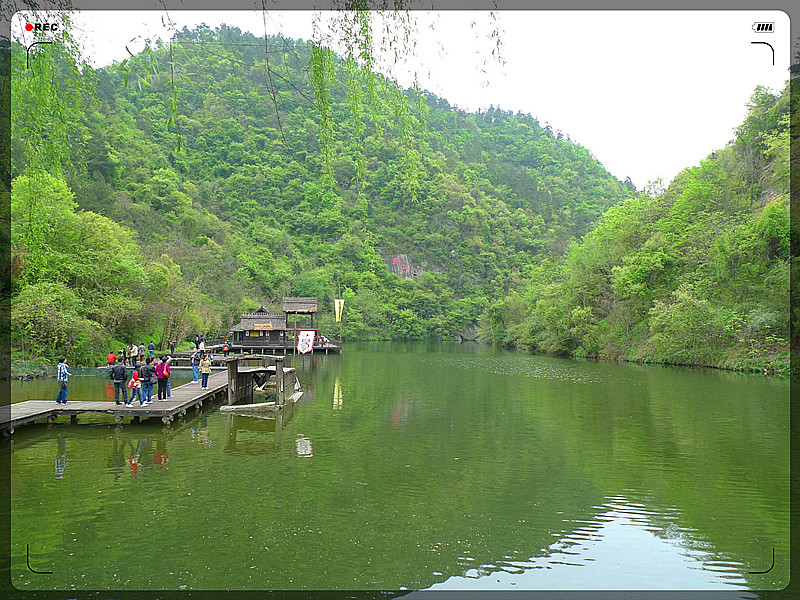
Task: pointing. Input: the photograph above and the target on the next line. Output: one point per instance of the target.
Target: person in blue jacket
(195, 361)
(62, 377)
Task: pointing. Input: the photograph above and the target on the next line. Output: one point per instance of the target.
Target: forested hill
(189, 199)
(697, 274)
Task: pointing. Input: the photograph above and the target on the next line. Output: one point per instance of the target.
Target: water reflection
(400, 413)
(460, 475)
(200, 432)
(144, 459)
(139, 456)
(61, 458)
(337, 393)
(304, 447)
(255, 434)
(622, 548)
(117, 462)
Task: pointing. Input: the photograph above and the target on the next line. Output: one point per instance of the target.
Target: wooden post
(233, 374)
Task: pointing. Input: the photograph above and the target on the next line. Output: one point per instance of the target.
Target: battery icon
(761, 27)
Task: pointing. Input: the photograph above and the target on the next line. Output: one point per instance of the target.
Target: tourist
(111, 359)
(172, 349)
(194, 360)
(202, 344)
(162, 375)
(196, 342)
(152, 348)
(63, 378)
(147, 374)
(123, 354)
(225, 349)
(134, 355)
(142, 353)
(135, 384)
(169, 390)
(119, 375)
(205, 370)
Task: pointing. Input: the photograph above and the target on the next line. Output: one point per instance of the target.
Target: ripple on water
(624, 547)
(535, 367)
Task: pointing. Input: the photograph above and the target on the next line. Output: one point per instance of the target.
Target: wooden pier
(184, 397)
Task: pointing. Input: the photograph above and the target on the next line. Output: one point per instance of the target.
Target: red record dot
(28, 27)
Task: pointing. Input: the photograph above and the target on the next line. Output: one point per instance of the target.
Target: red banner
(305, 341)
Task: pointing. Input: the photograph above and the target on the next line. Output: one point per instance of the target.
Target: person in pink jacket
(162, 374)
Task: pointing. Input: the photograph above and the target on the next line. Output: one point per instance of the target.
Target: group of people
(201, 365)
(134, 354)
(145, 377)
(148, 372)
(200, 344)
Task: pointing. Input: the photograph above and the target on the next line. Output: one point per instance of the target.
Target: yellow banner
(338, 304)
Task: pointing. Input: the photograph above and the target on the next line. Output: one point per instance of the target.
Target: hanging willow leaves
(368, 63)
(321, 63)
(50, 84)
(50, 87)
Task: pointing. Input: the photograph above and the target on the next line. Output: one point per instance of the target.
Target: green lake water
(414, 467)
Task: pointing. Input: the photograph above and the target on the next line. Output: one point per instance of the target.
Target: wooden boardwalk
(183, 397)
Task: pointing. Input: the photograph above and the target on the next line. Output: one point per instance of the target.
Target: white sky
(648, 92)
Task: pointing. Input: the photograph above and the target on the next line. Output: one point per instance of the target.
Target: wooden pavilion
(266, 330)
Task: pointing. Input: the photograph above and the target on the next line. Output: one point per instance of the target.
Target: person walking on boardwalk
(135, 384)
(172, 349)
(152, 348)
(119, 375)
(194, 360)
(123, 354)
(134, 355)
(147, 373)
(142, 353)
(205, 369)
(196, 342)
(162, 374)
(63, 378)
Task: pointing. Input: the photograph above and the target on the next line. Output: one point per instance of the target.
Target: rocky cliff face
(469, 334)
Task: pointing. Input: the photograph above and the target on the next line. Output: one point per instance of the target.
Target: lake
(416, 467)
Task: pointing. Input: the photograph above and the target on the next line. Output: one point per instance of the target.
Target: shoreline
(25, 371)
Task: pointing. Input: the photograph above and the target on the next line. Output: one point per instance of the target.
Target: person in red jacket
(135, 384)
(111, 358)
